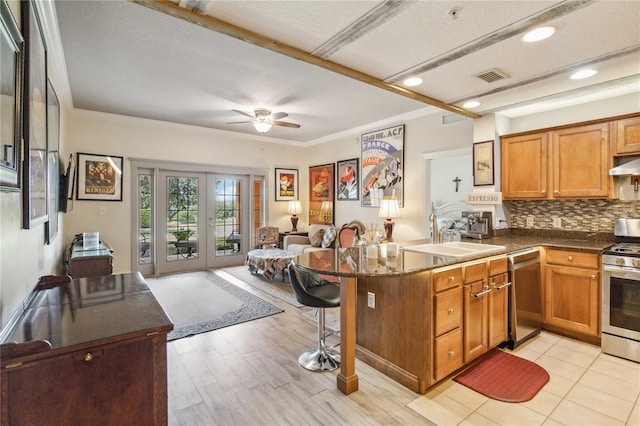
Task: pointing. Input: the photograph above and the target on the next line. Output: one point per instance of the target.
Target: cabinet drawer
(475, 272)
(447, 354)
(448, 311)
(497, 266)
(448, 278)
(578, 259)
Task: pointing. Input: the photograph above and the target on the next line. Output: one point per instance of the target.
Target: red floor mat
(504, 377)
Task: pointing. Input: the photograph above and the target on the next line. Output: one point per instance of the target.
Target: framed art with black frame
(286, 184)
(35, 162)
(53, 143)
(348, 180)
(11, 64)
(483, 163)
(99, 177)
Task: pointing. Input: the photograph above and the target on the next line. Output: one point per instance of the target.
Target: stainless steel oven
(621, 292)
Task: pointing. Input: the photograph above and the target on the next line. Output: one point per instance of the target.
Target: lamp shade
(262, 126)
(295, 207)
(389, 208)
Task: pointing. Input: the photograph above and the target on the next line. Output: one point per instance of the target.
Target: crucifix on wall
(457, 181)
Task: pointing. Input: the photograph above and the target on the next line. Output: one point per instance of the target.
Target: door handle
(482, 293)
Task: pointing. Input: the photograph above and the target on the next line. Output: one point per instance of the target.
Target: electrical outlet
(371, 300)
(557, 222)
(529, 221)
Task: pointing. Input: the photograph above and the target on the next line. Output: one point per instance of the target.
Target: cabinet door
(581, 161)
(476, 305)
(498, 309)
(628, 136)
(447, 354)
(572, 299)
(524, 166)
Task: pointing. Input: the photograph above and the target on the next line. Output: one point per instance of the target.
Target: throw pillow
(329, 236)
(316, 239)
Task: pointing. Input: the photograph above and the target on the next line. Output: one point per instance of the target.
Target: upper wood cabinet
(627, 136)
(570, 162)
(524, 166)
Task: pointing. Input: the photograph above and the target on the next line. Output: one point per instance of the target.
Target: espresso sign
(484, 198)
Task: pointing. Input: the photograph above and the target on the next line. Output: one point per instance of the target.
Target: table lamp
(295, 208)
(389, 209)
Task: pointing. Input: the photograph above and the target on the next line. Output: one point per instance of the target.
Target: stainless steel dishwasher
(525, 298)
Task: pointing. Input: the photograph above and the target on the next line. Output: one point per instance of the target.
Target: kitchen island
(397, 337)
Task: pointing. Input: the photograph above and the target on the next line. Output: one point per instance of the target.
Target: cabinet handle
(544, 191)
(451, 353)
(451, 278)
(451, 311)
(482, 293)
(556, 192)
(503, 285)
(88, 356)
(593, 277)
(570, 258)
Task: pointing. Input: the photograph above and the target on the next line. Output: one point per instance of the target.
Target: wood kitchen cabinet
(627, 141)
(476, 311)
(569, 162)
(572, 293)
(498, 301)
(447, 322)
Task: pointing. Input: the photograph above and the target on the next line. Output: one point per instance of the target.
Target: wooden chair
(267, 237)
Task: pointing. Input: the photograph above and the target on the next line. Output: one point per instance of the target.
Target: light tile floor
(586, 387)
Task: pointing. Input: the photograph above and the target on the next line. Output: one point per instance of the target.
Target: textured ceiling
(125, 58)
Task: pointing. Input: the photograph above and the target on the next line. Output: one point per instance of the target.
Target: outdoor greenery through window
(228, 214)
(182, 218)
(144, 221)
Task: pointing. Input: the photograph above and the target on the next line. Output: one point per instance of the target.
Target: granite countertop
(353, 261)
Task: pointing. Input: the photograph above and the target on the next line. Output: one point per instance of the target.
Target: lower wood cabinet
(498, 309)
(447, 350)
(447, 322)
(572, 292)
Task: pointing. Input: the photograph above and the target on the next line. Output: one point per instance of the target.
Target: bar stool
(313, 291)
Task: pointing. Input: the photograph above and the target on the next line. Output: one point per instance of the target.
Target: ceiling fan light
(412, 81)
(579, 75)
(538, 34)
(262, 126)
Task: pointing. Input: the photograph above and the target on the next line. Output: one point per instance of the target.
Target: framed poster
(99, 177)
(286, 184)
(34, 185)
(348, 180)
(483, 163)
(382, 165)
(53, 181)
(11, 64)
(321, 194)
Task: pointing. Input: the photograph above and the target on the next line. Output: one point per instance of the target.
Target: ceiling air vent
(492, 75)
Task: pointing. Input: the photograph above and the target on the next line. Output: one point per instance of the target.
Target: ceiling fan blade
(286, 124)
(243, 113)
(279, 115)
(239, 122)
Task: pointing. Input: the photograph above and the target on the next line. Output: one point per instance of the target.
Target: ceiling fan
(262, 119)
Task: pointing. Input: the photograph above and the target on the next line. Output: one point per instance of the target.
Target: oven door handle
(607, 268)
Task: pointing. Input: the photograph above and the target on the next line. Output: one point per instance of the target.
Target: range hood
(627, 169)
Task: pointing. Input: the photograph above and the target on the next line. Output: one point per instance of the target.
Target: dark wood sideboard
(81, 262)
(87, 351)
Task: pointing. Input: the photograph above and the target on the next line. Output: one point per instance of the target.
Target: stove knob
(636, 263)
(619, 261)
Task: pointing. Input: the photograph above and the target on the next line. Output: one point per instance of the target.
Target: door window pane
(228, 216)
(145, 230)
(182, 218)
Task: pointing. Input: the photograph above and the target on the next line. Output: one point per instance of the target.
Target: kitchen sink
(457, 249)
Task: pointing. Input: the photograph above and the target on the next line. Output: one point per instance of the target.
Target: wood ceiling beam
(172, 9)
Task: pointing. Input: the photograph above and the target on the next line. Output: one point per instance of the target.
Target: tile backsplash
(575, 215)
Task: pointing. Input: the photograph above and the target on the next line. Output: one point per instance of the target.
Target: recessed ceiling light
(412, 81)
(538, 34)
(470, 104)
(579, 75)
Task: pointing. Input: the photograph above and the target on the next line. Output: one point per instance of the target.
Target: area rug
(504, 377)
(275, 287)
(198, 302)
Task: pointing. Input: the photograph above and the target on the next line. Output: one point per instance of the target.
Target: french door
(191, 220)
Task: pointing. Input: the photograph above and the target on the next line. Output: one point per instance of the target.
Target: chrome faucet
(435, 236)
